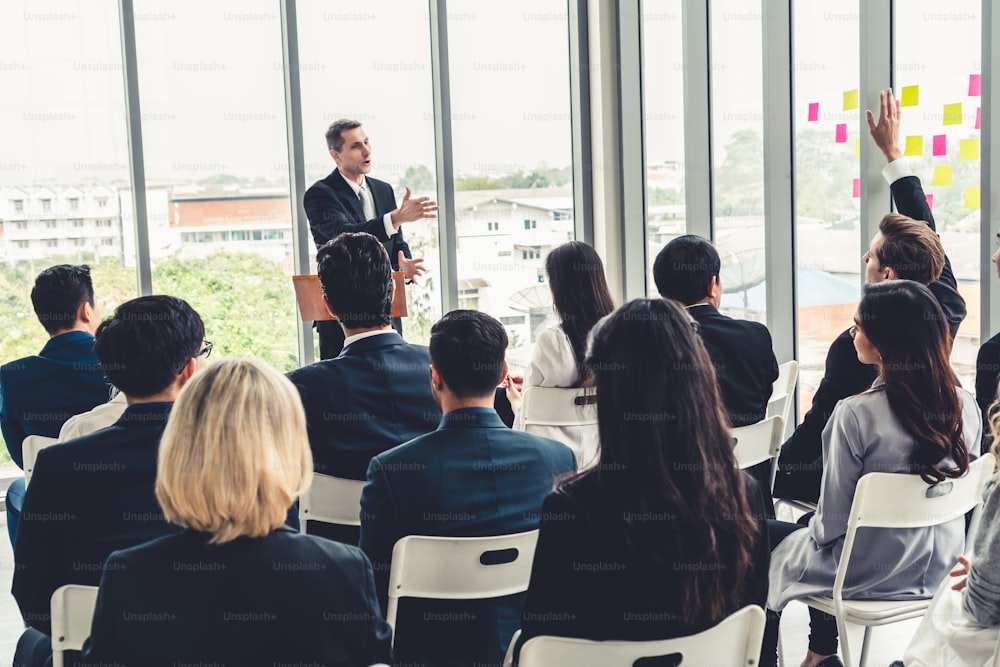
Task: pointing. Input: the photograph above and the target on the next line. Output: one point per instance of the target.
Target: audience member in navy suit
(375, 395)
(93, 495)
(236, 587)
(39, 393)
(665, 536)
(471, 477)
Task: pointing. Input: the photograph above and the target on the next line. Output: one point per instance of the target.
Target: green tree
(418, 178)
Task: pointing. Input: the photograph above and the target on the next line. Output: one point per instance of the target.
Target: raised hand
(885, 132)
(411, 268)
(414, 209)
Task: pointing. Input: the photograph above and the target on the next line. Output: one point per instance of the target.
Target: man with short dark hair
(374, 395)
(471, 477)
(906, 247)
(95, 494)
(350, 201)
(39, 393)
(687, 270)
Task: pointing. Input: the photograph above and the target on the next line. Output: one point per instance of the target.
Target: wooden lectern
(309, 296)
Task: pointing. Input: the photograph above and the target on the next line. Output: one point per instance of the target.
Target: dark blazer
(800, 466)
(744, 362)
(39, 393)
(87, 498)
(333, 208)
(281, 599)
(471, 477)
(987, 376)
(587, 583)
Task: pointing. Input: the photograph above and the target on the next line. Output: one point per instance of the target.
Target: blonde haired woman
(237, 586)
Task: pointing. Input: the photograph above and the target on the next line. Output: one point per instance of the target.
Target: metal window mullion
(581, 121)
(443, 155)
(877, 55)
(631, 139)
(697, 118)
(989, 177)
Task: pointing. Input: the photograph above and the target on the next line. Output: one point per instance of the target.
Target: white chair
(735, 642)
(758, 443)
(30, 447)
(566, 415)
(783, 392)
(892, 500)
(331, 500)
(453, 568)
(72, 609)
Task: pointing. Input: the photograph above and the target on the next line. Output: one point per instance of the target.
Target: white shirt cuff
(896, 170)
(387, 222)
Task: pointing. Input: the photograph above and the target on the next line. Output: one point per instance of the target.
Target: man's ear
(329, 308)
(715, 288)
(189, 368)
(436, 380)
(87, 315)
(890, 273)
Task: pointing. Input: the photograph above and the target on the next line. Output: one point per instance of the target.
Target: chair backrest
(30, 447)
(735, 641)
(459, 568)
(566, 415)
(895, 500)
(783, 392)
(759, 442)
(331, 500)
(72, 608)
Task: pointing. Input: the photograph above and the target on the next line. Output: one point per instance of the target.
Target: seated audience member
(236, 587)
(102, 416)
(687, 270)
(906, 247)
(988, 370)
(914, 419)
(629, 539)
(39, 393)
(94, 494)
(471, 477)
(375, 395)
(963, 622)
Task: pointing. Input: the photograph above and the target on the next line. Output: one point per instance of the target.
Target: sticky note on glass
(914, 145)
(968, 149)
(813, 111)
(979, 118)
(942, 175)
(975, 85)
(971, 198)
(841, 133)
(856, 188)
(857, 148)
(930, 202)
(953, 114)
(940, 144)
(850, 99)
(910, 97)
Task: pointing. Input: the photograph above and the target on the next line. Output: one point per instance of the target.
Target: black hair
(684, 268)
(356, 277)
(467, 347)
(59, 292)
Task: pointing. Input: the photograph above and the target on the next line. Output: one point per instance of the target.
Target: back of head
(580, 291)
(467, 348)
(356, 277)
(905, 323)
(145, 344)
(666, 449)
(334, 140)
(911, 248)
(684, 268)
(235, 452)
(59, 292)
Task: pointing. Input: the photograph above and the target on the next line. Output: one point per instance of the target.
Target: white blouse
(553, 363)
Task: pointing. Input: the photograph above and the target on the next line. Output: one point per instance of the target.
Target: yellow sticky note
(911, 96)
(850, 99)
(914, 145)
(942, 175)
(857, 148)
(971, 198)
(953, 114)
(968, 149)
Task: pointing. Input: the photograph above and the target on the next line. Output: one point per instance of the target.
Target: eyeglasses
(206, 350)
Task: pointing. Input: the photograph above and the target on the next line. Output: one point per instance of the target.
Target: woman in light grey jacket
(914, 419)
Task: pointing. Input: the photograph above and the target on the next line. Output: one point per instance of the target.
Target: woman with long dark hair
(914, 419)
(662, 538)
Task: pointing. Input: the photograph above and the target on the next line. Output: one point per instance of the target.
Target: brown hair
(911, 248)
(334, 140)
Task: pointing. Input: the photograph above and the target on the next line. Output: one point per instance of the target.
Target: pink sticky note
(813, 111)
(930, 202)
(940, 144)
(975, 85)
(979, 118)
(857, 188)
(841, 133)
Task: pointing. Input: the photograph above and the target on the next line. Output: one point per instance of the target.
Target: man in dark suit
(687, 270)
(374, 395)
(906, 247)
(39, 393)
(349, 201)
(471, 477)
(94, 495)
